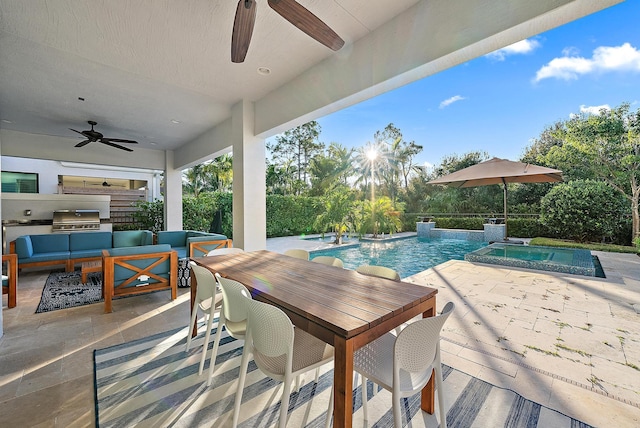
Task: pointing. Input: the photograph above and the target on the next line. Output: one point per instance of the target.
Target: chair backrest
(271, 336)
(416, 345)
(379, 271)
(328, 260)
(297, 253)
(221, 251)
(236, 298)
(206, 282)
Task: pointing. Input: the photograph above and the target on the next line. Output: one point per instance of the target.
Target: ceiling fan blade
(306, 21)
(117, 146)
(119, 140)
(82, 143)
(242, 29)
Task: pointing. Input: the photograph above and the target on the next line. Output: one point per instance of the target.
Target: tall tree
(297, 146)
(608, 145)
(330, 168)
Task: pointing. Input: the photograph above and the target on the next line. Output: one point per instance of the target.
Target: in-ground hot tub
(552, 259)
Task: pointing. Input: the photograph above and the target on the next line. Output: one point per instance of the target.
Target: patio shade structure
(499, 171)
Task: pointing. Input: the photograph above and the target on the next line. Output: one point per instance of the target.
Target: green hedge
(291, 215)
(527, 228)
(468, 223)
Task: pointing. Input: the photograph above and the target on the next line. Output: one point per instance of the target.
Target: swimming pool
(408, 256)
(553, 259)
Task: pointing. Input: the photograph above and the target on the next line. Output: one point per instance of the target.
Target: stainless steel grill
(76, 220)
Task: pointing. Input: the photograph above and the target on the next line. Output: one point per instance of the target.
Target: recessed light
(175, 121)
(264, 71)
(6, 121)
(153, 143)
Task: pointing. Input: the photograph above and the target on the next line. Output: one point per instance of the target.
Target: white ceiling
(140, 65)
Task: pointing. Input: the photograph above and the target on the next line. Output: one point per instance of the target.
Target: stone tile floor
(568, 342)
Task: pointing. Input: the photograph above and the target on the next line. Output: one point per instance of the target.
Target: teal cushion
(127, 251)
(46, 257)
(54, 242)
(82, 241)
(24, 248)
(121, 274)
(175, 238)
(132, 238)
(85, 254)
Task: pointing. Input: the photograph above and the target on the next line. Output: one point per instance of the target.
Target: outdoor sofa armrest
(10, 280)
(135, 270)
(199, 246)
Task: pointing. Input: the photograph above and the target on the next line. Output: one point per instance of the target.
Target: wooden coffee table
(88, 267)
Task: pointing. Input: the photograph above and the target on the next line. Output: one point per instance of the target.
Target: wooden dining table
(338, 306)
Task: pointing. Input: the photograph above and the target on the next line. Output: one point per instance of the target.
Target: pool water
(407, 256)
(553, 259)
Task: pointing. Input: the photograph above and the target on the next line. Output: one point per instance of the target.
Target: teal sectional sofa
(191, 243)
(69, 249)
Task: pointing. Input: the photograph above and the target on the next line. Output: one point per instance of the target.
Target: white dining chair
(328, 260)
(298, 253)
(404, 364)
(208, 301)
(225, 250)
(280, 351)
(379, 271)
(233, 316)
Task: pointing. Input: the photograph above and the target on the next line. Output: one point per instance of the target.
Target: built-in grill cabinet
(76, 220)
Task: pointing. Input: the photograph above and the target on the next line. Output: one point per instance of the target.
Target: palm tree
(337, 204)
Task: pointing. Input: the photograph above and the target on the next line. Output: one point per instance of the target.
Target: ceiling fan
(290, 10)
(95, 136)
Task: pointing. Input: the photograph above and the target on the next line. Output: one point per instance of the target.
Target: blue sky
(500, 102)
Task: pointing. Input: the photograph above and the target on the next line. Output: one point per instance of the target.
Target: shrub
(584, 210)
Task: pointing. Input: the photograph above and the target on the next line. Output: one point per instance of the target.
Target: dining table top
(338, 301)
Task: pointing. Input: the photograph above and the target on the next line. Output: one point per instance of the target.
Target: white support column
(249, 185)
(172, 194)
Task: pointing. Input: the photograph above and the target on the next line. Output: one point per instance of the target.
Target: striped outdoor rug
(154, 382)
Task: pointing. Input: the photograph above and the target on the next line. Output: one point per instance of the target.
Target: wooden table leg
(194, 288)
(427, 402)
(343, 383)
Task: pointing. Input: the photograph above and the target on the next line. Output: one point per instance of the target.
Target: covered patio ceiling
(160, 72)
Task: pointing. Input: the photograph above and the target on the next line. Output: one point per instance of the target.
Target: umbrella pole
(504, 184)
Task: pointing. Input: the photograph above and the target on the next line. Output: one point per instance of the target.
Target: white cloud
(604, 59)
(591, 110)
(519, 48)
(570, 51)
(594, 109)
(451, 100)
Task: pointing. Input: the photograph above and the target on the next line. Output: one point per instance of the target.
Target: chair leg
(365, 398)
(327, 423)
(439, 382)
(194, 315)
(284, 403)
(244, 364)
(397, 413)
(216, 344)
(205, 344)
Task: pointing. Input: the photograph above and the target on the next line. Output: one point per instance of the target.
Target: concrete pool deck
(568, 342)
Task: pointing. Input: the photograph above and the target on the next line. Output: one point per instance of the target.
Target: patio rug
(154, 382)
(65, 290)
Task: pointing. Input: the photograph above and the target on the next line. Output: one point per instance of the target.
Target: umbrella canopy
(499, 171)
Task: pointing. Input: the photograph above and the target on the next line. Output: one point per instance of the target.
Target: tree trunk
(635, 215)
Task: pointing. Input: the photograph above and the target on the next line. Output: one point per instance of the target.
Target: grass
(550, 242)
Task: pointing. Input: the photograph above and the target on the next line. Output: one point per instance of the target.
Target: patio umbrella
(499, 171)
